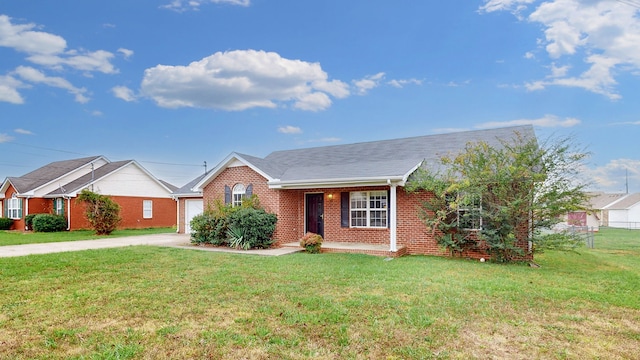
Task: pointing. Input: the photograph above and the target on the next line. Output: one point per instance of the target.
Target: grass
(20, 237)
(166, 303)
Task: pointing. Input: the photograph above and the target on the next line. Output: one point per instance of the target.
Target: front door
(314, 217)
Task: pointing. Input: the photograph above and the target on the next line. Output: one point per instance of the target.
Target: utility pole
(205, 167)
(626, 181)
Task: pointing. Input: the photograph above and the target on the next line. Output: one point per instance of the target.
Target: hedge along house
(350, 193)
(144, 200)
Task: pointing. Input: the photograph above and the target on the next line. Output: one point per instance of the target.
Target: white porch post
(392, 215)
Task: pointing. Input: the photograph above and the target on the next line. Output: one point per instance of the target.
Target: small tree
(518, 190)
(102, 213)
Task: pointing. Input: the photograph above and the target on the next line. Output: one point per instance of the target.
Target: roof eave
(335, 183)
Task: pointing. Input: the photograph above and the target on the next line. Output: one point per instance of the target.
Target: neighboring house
(346, 193)
(144, 200)
(189, 204)
(598, 216)
(625, 212)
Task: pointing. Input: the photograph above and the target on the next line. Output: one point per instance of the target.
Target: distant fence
(584, 232)
(624, 224)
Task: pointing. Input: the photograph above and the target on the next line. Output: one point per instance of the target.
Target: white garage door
(192, 208)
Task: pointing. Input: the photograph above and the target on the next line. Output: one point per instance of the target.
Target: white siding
(130, 181)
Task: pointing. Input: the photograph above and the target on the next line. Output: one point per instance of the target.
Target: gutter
(334, 183)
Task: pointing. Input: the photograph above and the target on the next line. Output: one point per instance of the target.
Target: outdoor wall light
(330, 196)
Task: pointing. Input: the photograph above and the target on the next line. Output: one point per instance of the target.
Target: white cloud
(50, 50)
(368, 82)
(546, 121)
(36, 76)
(22, 38)
(184, 5)
(400, 83)
(5, 138)
(23, 131)
(612, 176)
(289, 130)
(125, 52)
(602, 33)
(9, 90)
(242, 79)
(123, 93)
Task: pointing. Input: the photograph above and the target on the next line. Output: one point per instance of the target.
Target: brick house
(144, 200)
(347, 193)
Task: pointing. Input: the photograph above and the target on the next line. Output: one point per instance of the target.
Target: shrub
(5, 223)
(244, 227)
(311, 242)
(49, 223)
(210, 228)
(28, 221)
(102, 213)
(257, 224)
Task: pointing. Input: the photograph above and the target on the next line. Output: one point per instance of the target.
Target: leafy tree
(513, 194)
(102, 213)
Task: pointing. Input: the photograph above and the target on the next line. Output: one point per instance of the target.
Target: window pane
(147, 209)
(378, 218)
(358, 218)
(358, 200)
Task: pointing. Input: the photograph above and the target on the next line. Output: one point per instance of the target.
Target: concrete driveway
(170, 239)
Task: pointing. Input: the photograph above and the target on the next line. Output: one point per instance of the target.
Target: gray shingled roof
(379, 158)
(186, 189)
(626, 202)
(387, 159)
(46, 174)
(601, 200)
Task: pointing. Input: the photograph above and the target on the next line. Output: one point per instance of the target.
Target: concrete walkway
(170, 239)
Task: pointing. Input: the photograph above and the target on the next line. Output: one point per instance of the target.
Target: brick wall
(131, 212)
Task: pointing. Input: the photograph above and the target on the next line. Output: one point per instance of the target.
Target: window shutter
(4, 209)
(248, 191)
(227, 195)
(344, 209)
(20, 209)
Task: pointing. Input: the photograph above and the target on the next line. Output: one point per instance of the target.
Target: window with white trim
(368, 209)
(58, 206)
(238, 194)
(14, 207)
(147, 209)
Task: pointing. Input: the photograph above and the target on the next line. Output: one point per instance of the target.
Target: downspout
(177, 199)
(26, 210)
(68, 213)
(393, 246)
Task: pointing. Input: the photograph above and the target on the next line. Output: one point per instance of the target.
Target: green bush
(5, 223)
(49, 223)
(209, 228)
(257, 224)
(311, 242)
(28, 221)
(244, 227)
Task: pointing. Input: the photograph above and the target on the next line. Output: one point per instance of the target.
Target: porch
(355, 248)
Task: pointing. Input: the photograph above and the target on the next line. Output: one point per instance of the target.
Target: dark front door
(314, 218)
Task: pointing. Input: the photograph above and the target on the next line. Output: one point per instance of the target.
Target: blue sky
(173, 83)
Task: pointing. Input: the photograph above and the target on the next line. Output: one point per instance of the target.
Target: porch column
(392, 218)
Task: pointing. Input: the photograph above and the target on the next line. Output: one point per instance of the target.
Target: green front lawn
(19, 237)
(166, 303)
